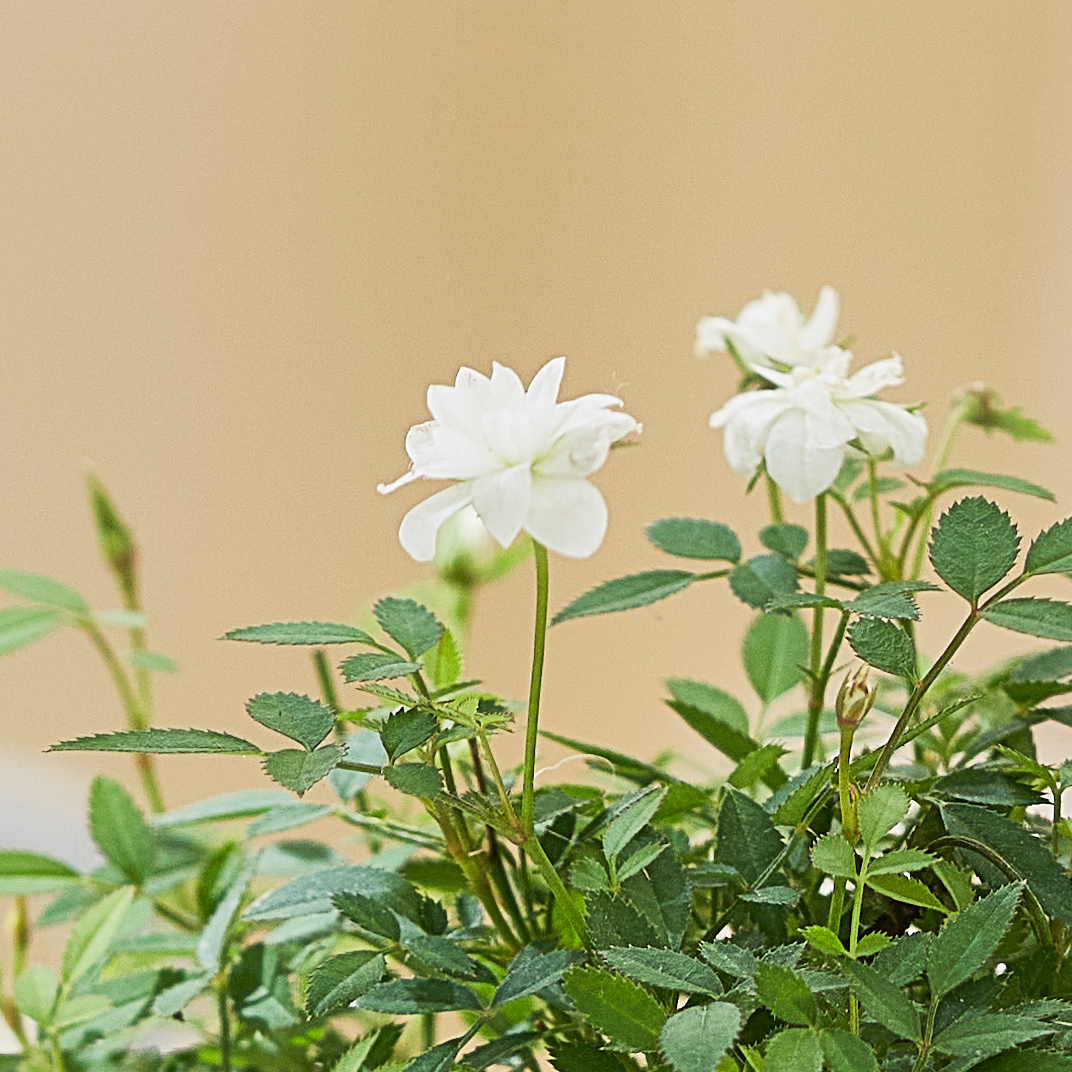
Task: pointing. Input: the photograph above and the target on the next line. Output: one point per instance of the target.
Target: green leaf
(843, 563)
(772, 895)
(790, 809)
(624, 766)
(883, 1001)
(415, 779)
(756, 581)
(693, 1038)
(409, 624)
(730, 958)
(20, 626)
(240, 805)
(884, 645)
(212, 943)
(300, 633)
(299, 770)
(443, 954)
(36, 990)
(726, 738)
(1051, 552)
(847, 1053)
(899, 861)
(405, 730)
(40, 589)
(312, 894)
(825, 940)
(711, 701)
(161, 742)
(833, 855)
(368, 914)
(972, 478)
(22, 874)
(175, 998)
(983, 409)
(93, 934)
(883, 485)
(640, 859)
(119, 829)
(532, 971)
(907, 890)
(297, 717)
(1036, 617)
(376, 666)
(577, 1057)
(663, 968)
(443, 662)
(440, 1058)
(630, 818)
(407, 997)
(904, 959)
(969, 937)
(696, 539)
(625, 593)
(879, 811)
(613, 920)
(152, 660)
(973, 546)
(786, 995)
(989, 1034)
(1013, 1061)
(287, 817)
(872, 943)
(1052, 665)
(774, 650)
(342, 979)
(794, 1050)
(625, 1012)
(979, 785)
(890, 600)
(786, 540)
(746, 838)
(755, 765)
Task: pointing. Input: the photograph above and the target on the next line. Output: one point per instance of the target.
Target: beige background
(239, 239)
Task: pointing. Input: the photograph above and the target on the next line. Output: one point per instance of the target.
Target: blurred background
(240, 240)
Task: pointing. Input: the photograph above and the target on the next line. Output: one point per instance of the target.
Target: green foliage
(761, 578)
(619, 1008)
(532, 971)
(405, 730)
(663, 968)
(747, 839)
(793, 1050)
(377, 666)
(973, 546)
(695, 539)
(342, 979)
(414, 779)
(120, 831)
(948, 479)
(884, 645)
(20, 626)
(297, 717)
(631, 816)
(300, 633)
(788, 541)
(1051, 552)
(787, 996)
(23, 874)
(1036, 617)
(692, 1038)
(638, 590)
(410, 625)
(775, 648)
(298, 770)
(161, 742)
(39, 589)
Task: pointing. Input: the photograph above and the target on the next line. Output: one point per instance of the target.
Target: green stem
(327, 684)
(57, 1054)
(532, 726)
(849, 828)
(817, 684)
(774, 498)
(837, 906)
(225, 1029)
(876, 521)
(857, 530)
(557, 887)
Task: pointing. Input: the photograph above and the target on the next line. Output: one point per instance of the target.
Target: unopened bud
(855, 697)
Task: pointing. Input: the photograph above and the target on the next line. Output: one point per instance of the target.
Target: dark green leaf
(774, 650)
(414, 779)
(746, 839)
(20, 626)
(640, 859)
(661, 892)
(756, 581)
(980, 786)
(1013, 1061)
(786, 995)
(368, 914)
(907, 890)
(694, 1038)
(620, 1009)
(786, 540)
(376, 666)
(905, 959)
(311, 894)
(299, 770)
(726, 738)
(691, 538)
(1051, 551)
(119, 829)
(790, 804)
(883, 1001)
(300, 633)
(663, 968)
(988, 1034)
(613, 920)
(1036, 617)
(23, 874)
(890, 600)
(730, 958)
(532, 971)
(405, 730)
(409, 624)
(884, 645)
(297, 717)
(40, 589)
(440, 1058)
(843, 563)
(898, 861)
(794, 1050)
(772, 895)
(500, 1050)
(972, 478)
(577, 1057)
(405, 997)
(1052, 665)
(625, 593)
(630, 816)
(444, 955)
(161, 742)
(711, 701)
(847, 1053)
(973, 546)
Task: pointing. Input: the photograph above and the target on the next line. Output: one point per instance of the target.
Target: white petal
(502, 500)
(795, 462)
(543, 390)
(826, 426)
(417, 533)
(587, 410)
(747, 419)
(872, 378)
(506, 386)
(402, 481)
(818, 330)
(885, 424)
(711, 335)
(443, 453)
(566, 516)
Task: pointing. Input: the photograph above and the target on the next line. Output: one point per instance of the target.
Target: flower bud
(855, 697)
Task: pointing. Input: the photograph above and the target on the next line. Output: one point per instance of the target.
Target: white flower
(803, 426)
(773, 328)
(519, 457)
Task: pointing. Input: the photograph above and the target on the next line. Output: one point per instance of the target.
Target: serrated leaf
(890, 600)
(625, 593)
(20, 626)
(758, 580)
(625, 1012)
(847, 1053)
(119, 829)
(639, 860)
(1051, 551)
(1052, 665)
(407, 997)
(240, 805)
(772, 895)
(1036, 617)
(341, 979)
(730, 958)
(299, 770)
(161, 742)
(443, 661)
(755, 766)
(786, 995)
(711, 701)
(694, 1038)
(978, 785)
(23, 874)
(444, 955)
(972, 478)
(904, 959)
(879, 811)
(409, 624)
(300, 633)
(898, 861)
(786, 540)
(36, 990)
(499, 1051)
(368, 914)
(844, 563)
(884, 646)
(794, 1050)
(578, 1057)
(376, 666)
(414, 779)
(664, 968)
(825, 941)
(988, 1034)
(630, 818)
(532, 971)
(311, 894)
(973, 546)
(774, 650)
(405, 730)
(696, 539)
(872, 943)
(883, 1001)
(799, 792)
(297, 717)
(746, 838)
(833, 855)
(907, 890)
(93, 933)
(40, 589)
(613, 920)
(440, 1058)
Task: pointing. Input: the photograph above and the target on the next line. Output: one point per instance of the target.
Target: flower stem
(774, 498)
(532, 728)
(818, 682)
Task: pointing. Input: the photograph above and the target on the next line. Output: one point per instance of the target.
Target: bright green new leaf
(297, 717)
(93, 934)
(341, 979)
(23, 874)
(879, 811)
(630, 817)
(119, 829)
(532, 971)
(405, 730)
(161, 742)
(948, 479)
(20, 626)
(408, 997)
(299, 770)
(786, 995)
(409, 624)
(746, 838)
(825, 941)
(376, 666)
(799, 793)
(847, 1053)
(774, 650)
(625, 1012)
(692, 1038)
(755, 765)
(898, 861)
(786, 540)
(833, 855)
(1036, 617)
(640, 859)
(711, 701)
(625, 593)
(884, 1001)
(36, 990)
(663, 968)
(1051, 551)
(414, 779)
(692, 538)
(794, 1050)
(872, 943)
(992, 1033)
(973, 546)
(759, 579)
(908, 890)
(884, 646)
(40, 589)
(443, 661)
(969, 937)
(300, 633)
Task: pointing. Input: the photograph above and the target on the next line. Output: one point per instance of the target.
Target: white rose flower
(519, 457)
(803, 426)
(773, 328)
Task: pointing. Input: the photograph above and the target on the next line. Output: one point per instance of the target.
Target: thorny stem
(818, 683)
